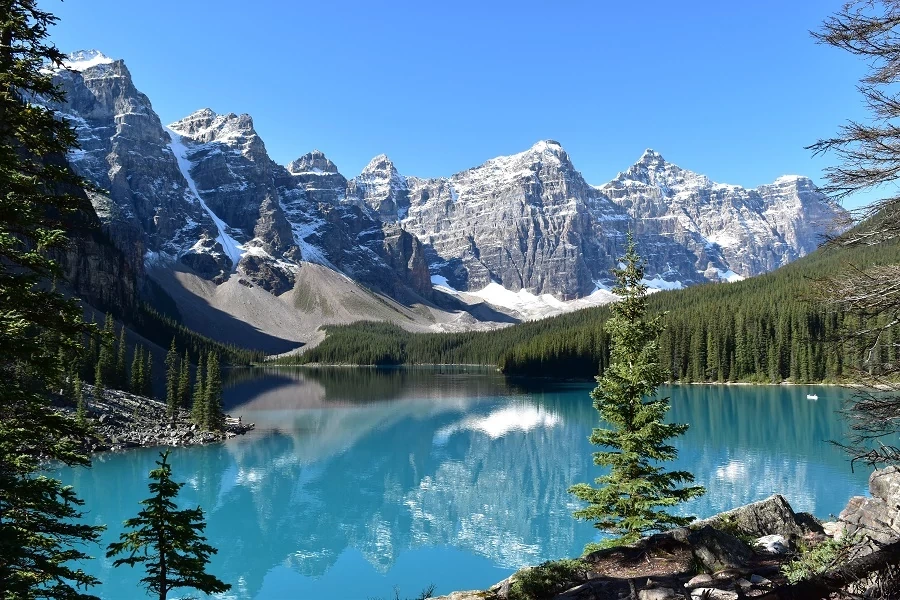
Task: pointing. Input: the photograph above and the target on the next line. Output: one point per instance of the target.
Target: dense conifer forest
(769, 328)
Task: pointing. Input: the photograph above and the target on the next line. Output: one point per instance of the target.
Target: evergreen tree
(136, 383)
(214, 418)
(40, 528)
(80, 409)
(167, 542)
(99, 380)
(198, 409)
(172, 381)
(184, 382)
(121, 351)
(630, 500)
(148, 376)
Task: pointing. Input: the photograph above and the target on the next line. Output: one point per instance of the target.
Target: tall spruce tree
(167, 542)
(172, 374)
(214, 418)
(40, 530)
(147, 382)
(121, 366)
(184, 382)
(135, 384)
(198, 408)
(631, 500)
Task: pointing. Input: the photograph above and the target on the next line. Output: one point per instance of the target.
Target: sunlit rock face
(204, 192)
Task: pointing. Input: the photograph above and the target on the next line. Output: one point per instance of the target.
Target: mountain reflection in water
(357, 480)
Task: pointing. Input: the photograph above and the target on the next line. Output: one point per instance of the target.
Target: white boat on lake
(812, 397)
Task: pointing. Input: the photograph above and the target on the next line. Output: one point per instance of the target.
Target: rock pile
(120, 420)
(738, 555)
(875, 519)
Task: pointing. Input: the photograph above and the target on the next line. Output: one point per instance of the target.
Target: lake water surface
(359, 480)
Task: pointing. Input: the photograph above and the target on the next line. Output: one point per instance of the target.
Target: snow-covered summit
(312, 163)
(381, 187)
(85, 59)
(232, 130)
(379, 164)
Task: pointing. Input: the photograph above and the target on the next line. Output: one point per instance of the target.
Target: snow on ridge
(729, 276)
(232, 247)
(85, 59)
(790, 178)
(523, 303)
(658, 283)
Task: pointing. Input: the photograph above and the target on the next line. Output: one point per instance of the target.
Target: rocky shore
(120, 420)
(741, 553)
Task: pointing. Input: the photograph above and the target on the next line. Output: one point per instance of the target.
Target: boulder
(885, 484)
(717, 550)
(702, 580)
(772, 544)
(713, 594)
(656, 594)
(772, 516)
(870, 517)
(833, 529)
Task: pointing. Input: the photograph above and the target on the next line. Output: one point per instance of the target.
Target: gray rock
(701, 580)
(870, 517)
(772, 516)
(833, 529)
(759, 580)
(772, 544)
(713, 594)
(717, 550)
(656, 594)
(885, 484)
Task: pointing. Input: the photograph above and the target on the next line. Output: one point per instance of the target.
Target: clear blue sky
(734, 90)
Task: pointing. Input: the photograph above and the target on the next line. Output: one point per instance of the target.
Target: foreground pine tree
(631, 500)
(40, 530)
(166, 541)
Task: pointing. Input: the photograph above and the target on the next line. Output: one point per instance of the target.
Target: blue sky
(734, 90)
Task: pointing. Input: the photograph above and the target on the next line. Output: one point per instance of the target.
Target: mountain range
(263, 254)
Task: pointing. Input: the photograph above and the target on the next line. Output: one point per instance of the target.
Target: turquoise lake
(359, 480)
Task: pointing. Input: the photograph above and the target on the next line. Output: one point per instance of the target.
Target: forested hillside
(767, 329)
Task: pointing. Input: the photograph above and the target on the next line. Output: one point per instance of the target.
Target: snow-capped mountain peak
(380, 164)
(381, 187)
(85, 59)
(312, 163)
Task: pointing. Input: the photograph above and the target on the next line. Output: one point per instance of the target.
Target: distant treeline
(765, 329)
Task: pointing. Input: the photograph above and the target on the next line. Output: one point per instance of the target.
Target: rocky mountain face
(203, 194)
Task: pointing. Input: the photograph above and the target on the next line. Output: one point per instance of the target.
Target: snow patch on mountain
(85, 59)
(523, 303)
(658, 283)
(231, 246)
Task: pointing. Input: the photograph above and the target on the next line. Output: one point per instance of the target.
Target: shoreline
(121, 421)
(542, 377)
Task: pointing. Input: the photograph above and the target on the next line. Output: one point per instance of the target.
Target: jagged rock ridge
(204, 193)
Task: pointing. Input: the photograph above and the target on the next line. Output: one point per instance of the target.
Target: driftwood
(838, 578)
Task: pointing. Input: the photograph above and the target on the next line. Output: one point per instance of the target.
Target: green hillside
(765, 329)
